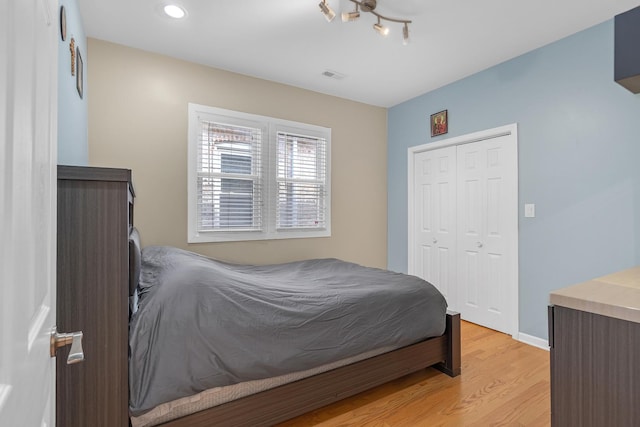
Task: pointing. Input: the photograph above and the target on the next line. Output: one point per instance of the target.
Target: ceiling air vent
(627, 54)
(333, 75)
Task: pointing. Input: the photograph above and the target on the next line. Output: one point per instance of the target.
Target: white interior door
(487, 221)
(463, 224)
(435, 220)
(28, 73)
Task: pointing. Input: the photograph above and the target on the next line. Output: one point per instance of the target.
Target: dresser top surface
(90, 173)
(615, 295)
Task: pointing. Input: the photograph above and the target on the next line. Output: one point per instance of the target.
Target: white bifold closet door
(435, 200)
(487, 215)
(465, 227)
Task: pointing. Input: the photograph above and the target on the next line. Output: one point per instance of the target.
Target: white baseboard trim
(534, 341)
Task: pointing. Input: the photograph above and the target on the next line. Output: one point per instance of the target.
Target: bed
(213, 343)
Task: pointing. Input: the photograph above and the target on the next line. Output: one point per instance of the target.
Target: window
(229, 181)
(254, 177)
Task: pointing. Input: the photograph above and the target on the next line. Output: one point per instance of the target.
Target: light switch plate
(529, 210)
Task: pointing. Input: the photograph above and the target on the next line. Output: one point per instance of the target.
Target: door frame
(508, 130)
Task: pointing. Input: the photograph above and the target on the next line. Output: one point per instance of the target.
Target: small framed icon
(439, 123)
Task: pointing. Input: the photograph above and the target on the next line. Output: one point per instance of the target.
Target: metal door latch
(76, 354)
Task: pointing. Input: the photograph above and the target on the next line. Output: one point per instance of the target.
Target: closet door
(487, 221)
(434, 220)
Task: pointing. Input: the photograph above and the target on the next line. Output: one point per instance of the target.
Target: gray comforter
(202, 323)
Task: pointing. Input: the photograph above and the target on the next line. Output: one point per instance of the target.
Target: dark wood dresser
(594, 335)
(95, 213)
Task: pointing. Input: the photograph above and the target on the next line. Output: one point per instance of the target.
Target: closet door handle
(76, 354)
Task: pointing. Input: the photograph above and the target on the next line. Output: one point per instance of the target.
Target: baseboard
(534, 341)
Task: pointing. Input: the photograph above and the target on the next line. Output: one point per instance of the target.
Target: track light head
(327, 11)
(351, 16)
(381, 29)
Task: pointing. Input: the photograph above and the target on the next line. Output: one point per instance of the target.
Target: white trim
(531, 340)
(468, 138)
(507, 130)
(269, 127)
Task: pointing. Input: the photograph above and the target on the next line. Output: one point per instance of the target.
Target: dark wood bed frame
(93, 273)
(290, 400)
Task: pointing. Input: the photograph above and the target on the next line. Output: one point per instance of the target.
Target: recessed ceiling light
(174, 11)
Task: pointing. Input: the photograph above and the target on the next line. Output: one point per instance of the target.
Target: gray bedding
(202, 323)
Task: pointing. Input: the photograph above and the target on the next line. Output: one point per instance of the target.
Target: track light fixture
(327, 11)
(367, 6)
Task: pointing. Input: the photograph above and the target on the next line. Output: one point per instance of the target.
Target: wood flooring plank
(503, 383)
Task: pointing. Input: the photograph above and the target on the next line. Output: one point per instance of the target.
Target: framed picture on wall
(439, 123)
(79, 72)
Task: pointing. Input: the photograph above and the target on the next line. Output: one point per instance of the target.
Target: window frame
(269, 127)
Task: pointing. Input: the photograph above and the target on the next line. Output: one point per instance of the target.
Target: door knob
(76, 354)
(479, 244)
(435, 241)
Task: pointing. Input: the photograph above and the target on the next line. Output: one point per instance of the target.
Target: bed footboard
(452, 364)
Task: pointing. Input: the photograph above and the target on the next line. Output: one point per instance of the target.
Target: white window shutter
(229, 187)
(301, 182)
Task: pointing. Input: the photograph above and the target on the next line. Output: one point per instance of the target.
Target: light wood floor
(503, 383)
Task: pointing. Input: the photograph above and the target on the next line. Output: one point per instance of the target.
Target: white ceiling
(289, 41)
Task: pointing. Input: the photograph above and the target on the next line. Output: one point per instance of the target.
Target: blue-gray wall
(579, 161)
(73, 146)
